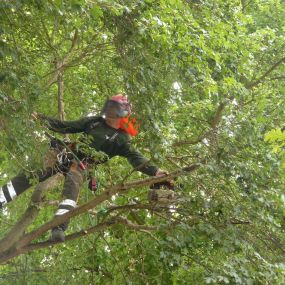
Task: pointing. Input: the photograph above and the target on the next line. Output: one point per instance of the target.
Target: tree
(206, 79)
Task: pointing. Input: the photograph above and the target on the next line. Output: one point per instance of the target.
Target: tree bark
(22, 245)
(60, 89)
(31, 213)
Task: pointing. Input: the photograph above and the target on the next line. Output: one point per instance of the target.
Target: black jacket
(104, 138)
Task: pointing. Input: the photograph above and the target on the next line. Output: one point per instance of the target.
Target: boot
(57, 234)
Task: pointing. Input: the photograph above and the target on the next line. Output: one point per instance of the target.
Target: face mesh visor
(113, 109)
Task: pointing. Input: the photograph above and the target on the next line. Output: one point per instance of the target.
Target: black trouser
(21, 183)
(74, 178)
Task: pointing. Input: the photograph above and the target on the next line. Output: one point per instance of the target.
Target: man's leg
(73, 181)
(19, 184)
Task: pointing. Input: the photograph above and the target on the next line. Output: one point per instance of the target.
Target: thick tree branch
(217, 117)
(60, 101)
(107, 194)
(7, 255)
(23, 245)
(31, 213)
(74, 41)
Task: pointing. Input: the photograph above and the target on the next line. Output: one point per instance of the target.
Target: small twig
(262, 77)
(130, 225)
(116, 260)
(213, 123)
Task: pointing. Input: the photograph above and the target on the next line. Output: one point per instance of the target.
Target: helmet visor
(115, 109)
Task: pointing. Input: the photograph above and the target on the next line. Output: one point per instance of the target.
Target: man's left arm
(139, 162)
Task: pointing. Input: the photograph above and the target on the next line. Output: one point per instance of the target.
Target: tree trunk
(60, 89)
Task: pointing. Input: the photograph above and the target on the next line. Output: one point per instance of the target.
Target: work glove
(168, 184)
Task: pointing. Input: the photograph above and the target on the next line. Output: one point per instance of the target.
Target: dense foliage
(206, 79)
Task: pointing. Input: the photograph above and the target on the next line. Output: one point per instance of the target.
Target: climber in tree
(110, 133)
